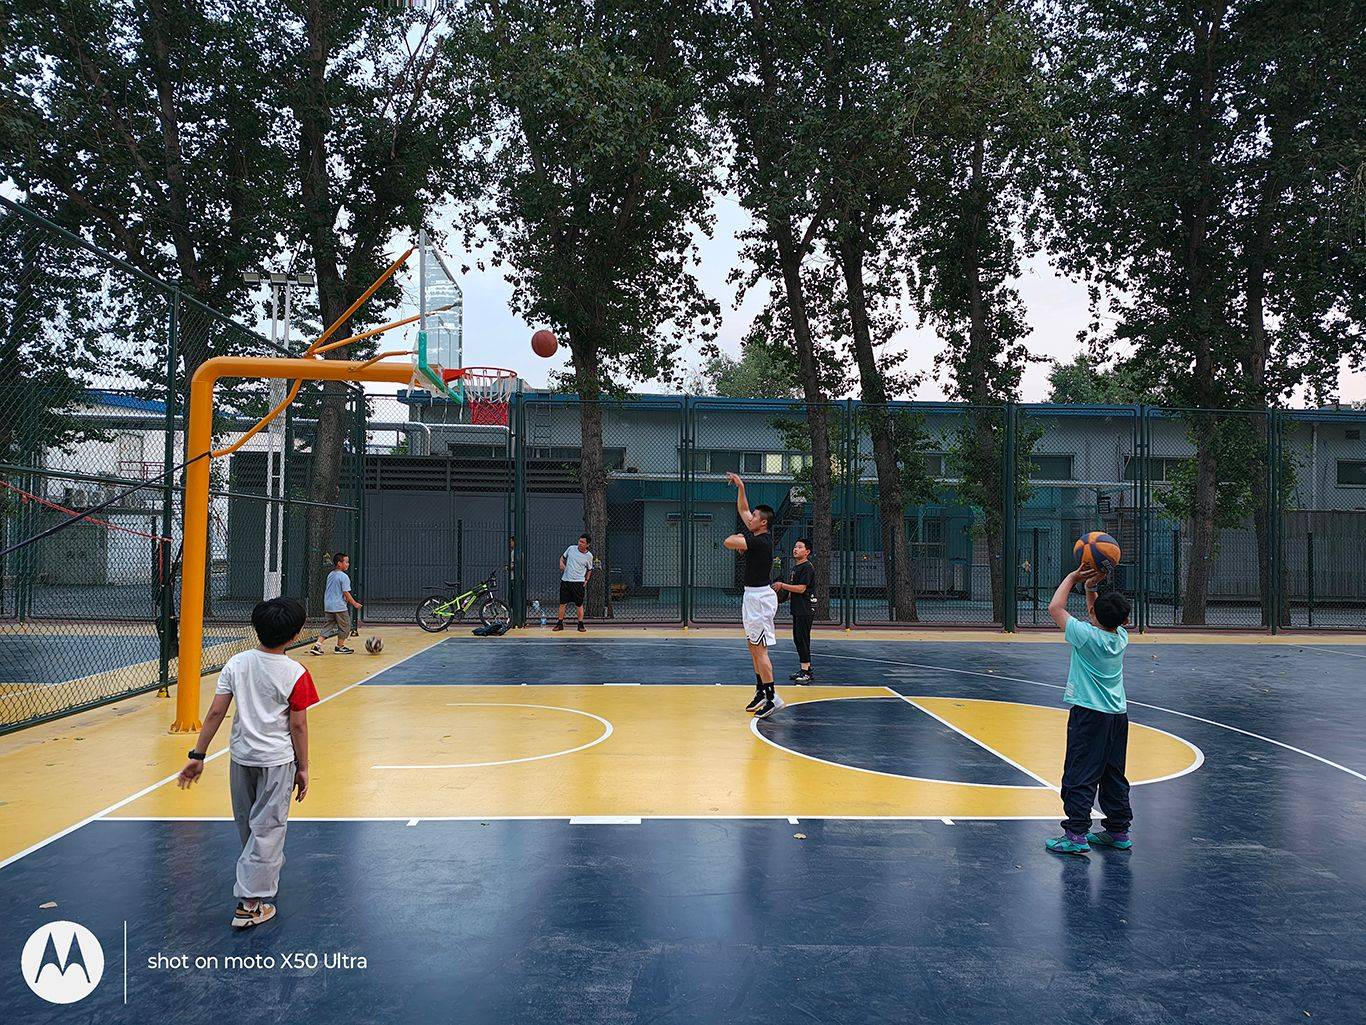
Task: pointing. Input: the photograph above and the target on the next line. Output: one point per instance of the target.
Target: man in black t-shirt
(760, 604)
(802, 588)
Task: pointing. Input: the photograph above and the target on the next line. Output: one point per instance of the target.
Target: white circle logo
(62, 962)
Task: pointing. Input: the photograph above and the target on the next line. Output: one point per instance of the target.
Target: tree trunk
(320, 211)
(896, 553)
(988, 456)
(1203, 318)
(1201, 554)
(592, 473)
(1265, 506)
(768, 150)
(817, 410)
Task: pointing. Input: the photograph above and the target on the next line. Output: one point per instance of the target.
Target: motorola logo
(62, 962)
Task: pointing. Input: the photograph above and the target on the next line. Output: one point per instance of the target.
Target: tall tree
(379, 119)
(764, 97)
(870, 61)
(977, 192)
(1206, 199)
(596, 173)
(149, 129)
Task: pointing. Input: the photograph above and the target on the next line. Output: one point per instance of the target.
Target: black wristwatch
(196, 756)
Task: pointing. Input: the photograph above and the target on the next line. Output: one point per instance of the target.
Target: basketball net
(488, 390)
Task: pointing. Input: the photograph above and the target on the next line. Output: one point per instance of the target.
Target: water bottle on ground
(536, 611)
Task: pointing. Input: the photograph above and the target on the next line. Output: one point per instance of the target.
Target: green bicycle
(438, 612)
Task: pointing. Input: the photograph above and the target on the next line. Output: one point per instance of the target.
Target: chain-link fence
(631, 508)
(917, 513)
(94, 362)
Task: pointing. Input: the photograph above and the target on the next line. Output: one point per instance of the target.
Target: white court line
(947, 821)
(607, 732)
(754, 728)
(984, 746)
(162, 782)
(412, 822)
(792, 820)
(1332, 651)
(605, 820)
(1140, 704)
(566, 818)
(1197, 761)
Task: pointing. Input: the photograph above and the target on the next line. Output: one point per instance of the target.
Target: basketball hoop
(488, 390)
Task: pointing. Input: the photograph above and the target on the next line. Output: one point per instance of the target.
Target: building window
(725, 462)
(1351, 473)
(1164, 469)
(1050, 467)
(612, 458)
(752, 462)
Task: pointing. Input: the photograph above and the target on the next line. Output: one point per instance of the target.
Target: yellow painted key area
(541, 751)
(546, 751)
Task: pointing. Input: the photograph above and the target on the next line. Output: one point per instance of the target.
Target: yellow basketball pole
(195, 528)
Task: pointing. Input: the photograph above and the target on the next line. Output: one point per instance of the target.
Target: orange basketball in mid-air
(1097, 550)
(544, 343)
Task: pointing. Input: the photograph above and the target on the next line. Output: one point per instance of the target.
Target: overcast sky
(1056, 307)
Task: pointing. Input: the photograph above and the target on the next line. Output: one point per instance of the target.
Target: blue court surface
(45, 658)
(1243, 901)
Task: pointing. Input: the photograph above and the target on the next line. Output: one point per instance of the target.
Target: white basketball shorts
(757, 612)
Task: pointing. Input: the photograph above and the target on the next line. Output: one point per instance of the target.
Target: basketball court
(591, 829)
(542, 828)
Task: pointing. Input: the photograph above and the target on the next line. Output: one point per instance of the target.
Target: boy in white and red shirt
(268, 748)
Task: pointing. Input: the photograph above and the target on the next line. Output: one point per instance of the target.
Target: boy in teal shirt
(1098, 723)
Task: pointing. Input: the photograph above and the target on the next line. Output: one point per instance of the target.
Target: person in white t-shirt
(576, 569)
(268, 749)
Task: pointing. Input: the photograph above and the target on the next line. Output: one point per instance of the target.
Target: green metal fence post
(1309, 571)
(1273, 531)
(358, 482)
(166, 569)
(685, 503)
(1176, 575)
(1140, 499)
(510, 507)
(1034, 575)
(850, 436)
(519, 540)
(1010, 543)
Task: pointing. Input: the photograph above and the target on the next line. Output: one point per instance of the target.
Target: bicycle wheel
(494, 611)
(430, 615)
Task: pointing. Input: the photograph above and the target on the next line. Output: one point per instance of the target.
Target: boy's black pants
(801, 637)
(1097, 743)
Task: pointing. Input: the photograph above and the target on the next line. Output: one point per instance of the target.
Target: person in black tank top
(802, 591)
(760, 603)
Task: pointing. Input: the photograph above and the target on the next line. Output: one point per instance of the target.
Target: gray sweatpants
(260, 807)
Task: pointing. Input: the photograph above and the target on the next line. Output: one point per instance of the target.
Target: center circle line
(606, 732)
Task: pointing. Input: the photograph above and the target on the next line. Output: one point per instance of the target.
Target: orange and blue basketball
(1097, 550)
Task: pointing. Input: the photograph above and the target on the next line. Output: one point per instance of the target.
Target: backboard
(440, 333)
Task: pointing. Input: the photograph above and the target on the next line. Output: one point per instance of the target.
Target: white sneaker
(769, 707)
